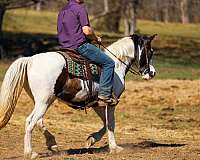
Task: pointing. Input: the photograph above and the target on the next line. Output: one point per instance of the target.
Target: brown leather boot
(107, 101)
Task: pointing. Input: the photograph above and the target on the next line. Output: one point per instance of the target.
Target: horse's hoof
(90, 142)
(116, 149)
(54, 148)
(29, 156)
(34, 155)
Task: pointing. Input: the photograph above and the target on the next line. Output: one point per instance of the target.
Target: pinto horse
(42, 78)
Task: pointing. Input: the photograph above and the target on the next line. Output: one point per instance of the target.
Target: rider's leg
(98, 56)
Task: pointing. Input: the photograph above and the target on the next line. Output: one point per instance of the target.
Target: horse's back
(48, 60)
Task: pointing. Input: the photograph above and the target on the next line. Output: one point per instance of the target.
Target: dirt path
(156, 120)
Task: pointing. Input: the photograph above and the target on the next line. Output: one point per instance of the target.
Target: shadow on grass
(150, 144)
(27, 44)
(80, 151)
(105, 149)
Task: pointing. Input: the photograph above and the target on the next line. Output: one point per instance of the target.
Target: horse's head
(144, 55)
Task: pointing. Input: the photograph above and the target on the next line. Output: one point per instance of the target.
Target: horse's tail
(11, 88)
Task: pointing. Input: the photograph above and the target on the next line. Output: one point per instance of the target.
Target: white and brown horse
(43, 77)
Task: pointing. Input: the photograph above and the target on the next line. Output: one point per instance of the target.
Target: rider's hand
(98, 40)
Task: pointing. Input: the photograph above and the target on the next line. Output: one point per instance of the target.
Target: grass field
(156, 120)
(177, 48)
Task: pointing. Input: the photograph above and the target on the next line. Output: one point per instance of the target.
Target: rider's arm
(87, 30)
(89, 33)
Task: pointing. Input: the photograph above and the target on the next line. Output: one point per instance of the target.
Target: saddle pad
(80, 70)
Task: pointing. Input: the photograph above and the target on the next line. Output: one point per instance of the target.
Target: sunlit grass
(22, 20)
(30, 21)
(169, 29)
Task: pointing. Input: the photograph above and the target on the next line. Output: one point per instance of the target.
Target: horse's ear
(134, 37)
(152, 37)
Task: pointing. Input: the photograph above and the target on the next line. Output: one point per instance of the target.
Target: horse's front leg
(110, 125)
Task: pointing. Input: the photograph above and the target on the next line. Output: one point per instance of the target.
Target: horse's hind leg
(38, 112)
(50, 139)
(95, 137)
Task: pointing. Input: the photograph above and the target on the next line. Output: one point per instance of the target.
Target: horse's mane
(122, 48)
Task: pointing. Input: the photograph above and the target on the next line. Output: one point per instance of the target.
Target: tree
(129, 10)
(2, 12)
(109, 18)
(38, 5)
(184, 11)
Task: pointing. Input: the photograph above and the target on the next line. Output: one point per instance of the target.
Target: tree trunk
(38, 5)
(106, 8)
(166, 12)
(2, 13)
(129, 16)
(184, 11)
(157, 12)
(133, 18)
(112, 22)
(126, 26)
(109, 19)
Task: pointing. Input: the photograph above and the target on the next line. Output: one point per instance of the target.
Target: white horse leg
(42, 84)
(110, 125)
(95, 137)
(50, 139)
(28, 119)
(38, 112)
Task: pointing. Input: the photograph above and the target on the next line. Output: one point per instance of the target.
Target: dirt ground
(155, 120)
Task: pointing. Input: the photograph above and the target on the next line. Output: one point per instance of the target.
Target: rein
(131, 69)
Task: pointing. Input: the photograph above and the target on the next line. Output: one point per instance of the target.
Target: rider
(74, 32)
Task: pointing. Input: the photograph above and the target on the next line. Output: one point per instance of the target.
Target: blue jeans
(96, 55)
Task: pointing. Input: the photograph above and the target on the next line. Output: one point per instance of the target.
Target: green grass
(170, 29)
(45, 22)
(30, 21)
(177, 45)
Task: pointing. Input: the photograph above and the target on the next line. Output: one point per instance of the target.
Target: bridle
(131, 69)
(136, 61)
(148, 56)
(147, 65)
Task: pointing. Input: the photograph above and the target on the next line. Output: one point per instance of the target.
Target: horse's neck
(122, 64)
(122, 52)
(121, 68)
(119, 79)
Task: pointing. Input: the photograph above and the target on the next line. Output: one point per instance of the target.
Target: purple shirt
(71, 19)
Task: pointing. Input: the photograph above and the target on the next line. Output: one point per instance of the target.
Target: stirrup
(106, 101)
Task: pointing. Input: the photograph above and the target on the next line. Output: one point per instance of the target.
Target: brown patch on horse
(69, 90)
(73, 86)
(60, 82)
